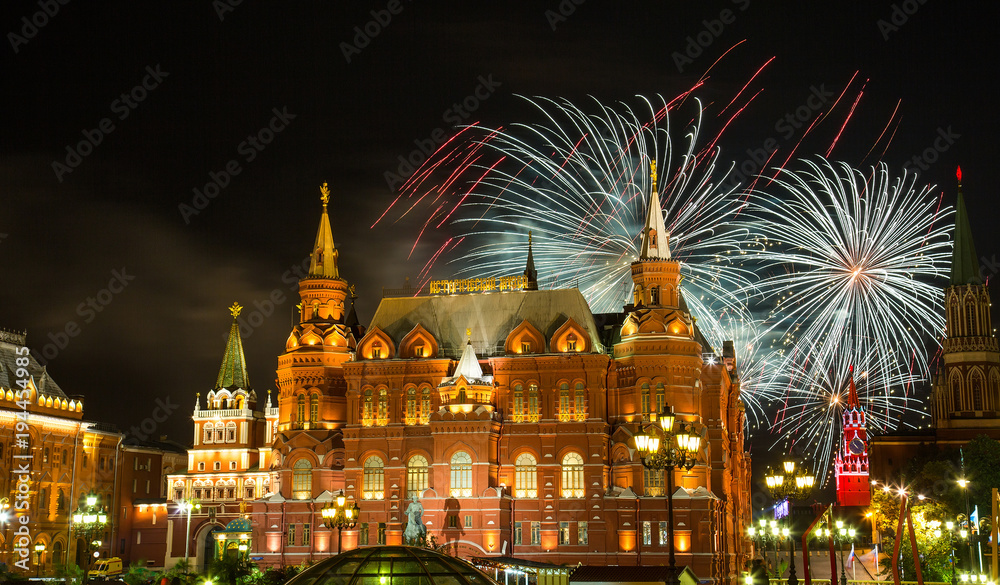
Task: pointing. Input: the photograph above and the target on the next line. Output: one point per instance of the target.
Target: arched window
(654, 295)
(564, 408)
(580, 406)
(461, 475)
(300, 409)
(376, 349)
(410, 411)
(231, 432)
(416, 476)
(57, 552)
(661, 398)
(644, 398)
(572, 476)
(970, 317)
(372, 482)
(955, 381)
(534, 409)
(571, 342)
(652, 238)
(219, 431)
(367, 409)
(314, 408)
(383, 407)
(461, 396)
(517, 410)
(652, 479)
(976, 389)
(425, 407)
(526, 476)
(302, 479)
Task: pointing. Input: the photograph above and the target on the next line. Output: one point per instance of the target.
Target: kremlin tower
(851, 464)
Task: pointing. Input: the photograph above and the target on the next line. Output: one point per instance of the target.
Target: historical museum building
(965, 396)
(504, 409)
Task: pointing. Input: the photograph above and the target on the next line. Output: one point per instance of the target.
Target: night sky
(167, 97)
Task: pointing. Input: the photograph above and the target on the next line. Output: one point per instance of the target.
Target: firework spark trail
(857, 265)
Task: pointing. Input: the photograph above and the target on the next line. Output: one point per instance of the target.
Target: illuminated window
(652, 479)
(564, 403)
(291, 535)
(517, 533)
(525, 347)
(231, 432)
(644, 398)
(564, 533)
(462, 399)
(664, 529)
(534, 412)
(661, 398)
(367, 409)
(302, 479)
(305, 534)
(536, 533)
(517, 410)
(381, 533)
(647, 532)
(571, 342)
(461, 475)
(582, 533)
(374, 475)
(410, 412)
(314, 408)
(572, 476)
(383, 407)
(580, 408)
(425, 406)
(418, 351)
(377, 350)
(300, 411)
(416, 476)
(526, 476)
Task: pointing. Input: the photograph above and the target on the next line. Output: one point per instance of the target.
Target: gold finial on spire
(352, 289)
(324, 195)
(468, 333)
(652, 173)
(235, 310)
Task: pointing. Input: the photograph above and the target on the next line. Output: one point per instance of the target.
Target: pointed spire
(268, 404)
(233, 373)
(529, 269)
(197, 401)
(852, 394)
(468, 365)
(323, 263)
(655, 238)
(964, 261)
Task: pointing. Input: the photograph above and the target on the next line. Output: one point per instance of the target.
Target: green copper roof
(964, 261)
(233, 373)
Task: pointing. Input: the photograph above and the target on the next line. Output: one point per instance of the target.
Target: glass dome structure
(391, 565)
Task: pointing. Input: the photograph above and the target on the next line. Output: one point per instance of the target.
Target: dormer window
(652, 238)
(525, 347)
(418, 351)
(571, 342)
(377, 350)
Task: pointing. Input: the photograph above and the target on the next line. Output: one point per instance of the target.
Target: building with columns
(510, 415)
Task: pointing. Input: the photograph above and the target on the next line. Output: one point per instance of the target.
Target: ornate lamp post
(39, 549)
(187, 506)
(789, 483)
(841, 535)
(668, 454)
(88, 523)
(337, 515)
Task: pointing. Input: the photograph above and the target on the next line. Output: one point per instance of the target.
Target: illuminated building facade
(226, 465)
(510, 415)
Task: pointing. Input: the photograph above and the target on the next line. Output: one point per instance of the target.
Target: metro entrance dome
(392, 565)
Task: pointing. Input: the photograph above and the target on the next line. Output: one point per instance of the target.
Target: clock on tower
(851, 464)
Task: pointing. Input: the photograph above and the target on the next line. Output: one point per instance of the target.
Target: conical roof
(468, 365)
(964, 261)
(233, 372)
(655, 239)
(852, 393)
(323, 261)
(529, 268)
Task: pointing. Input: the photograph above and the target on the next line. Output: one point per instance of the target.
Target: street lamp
(667, 455)
(964, 484)
(39, 549)
(841, 535)
(337, 515)
(188, 506)
(88, 523)
(4, 517)
(789, 484)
